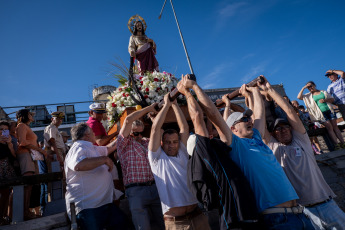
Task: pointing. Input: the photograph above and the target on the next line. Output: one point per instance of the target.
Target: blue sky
(55, 51)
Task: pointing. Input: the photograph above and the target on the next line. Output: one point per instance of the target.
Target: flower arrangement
(153, 86)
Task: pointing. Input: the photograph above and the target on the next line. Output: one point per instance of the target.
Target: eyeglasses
(281, 128)
(243, 119)
(138, 133)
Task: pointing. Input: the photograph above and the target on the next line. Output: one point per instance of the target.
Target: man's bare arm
(182, 123)
(211, 111)
(104, 140)
(155, 136)
(292, 116)
(127, 124)
(227, 110)
(94, 162)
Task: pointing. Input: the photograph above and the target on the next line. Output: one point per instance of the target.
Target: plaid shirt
(134, 160)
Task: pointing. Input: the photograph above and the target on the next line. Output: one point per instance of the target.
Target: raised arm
(292, 116)
(300, 94)
(210, 109)
(127, 124)
(339, 72)
(155, 136)
(227, 110)
(257, 105)
(194, 109)
(182, 123)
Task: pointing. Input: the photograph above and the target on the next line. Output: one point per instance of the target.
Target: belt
(294, 210)
(148, 183)
(188, 216)
(322, 202)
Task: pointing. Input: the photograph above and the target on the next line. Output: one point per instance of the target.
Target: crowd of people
(256, 167)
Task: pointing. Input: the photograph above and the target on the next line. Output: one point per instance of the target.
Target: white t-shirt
(88, 189)
(171, 178)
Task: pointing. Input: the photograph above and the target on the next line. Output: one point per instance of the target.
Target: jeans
(42, 169)
(144, 200)
(286, 221)
(327, 216)
(107, 216)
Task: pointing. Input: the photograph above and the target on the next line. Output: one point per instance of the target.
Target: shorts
(328, 115)
(26, 163)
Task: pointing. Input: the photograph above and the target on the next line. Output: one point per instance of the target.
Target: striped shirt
(337, 90)
(134, 160)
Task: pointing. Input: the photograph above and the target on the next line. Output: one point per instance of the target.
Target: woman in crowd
(27, 141)
(7, 154)
(318, 103)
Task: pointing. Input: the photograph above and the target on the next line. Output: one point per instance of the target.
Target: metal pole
(160, 15)
(184, 46)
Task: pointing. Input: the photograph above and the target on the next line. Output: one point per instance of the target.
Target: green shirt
(323, 106)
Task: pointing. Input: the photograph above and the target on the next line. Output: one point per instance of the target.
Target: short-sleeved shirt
(96, 126)
(171, 178)
(88, 189)
(51, 131)
(134, 160)
(298, 162)
(337, 90)
(265, 175)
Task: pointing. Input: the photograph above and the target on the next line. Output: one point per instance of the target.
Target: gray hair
(78, 131)
(137, 123)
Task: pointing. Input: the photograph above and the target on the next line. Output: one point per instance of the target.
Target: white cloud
(231, 9)
(211, 80)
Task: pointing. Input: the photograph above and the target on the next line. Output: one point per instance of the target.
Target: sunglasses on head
(138, 133)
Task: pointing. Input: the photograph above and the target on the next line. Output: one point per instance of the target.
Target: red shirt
(134, 160)
(96, 127)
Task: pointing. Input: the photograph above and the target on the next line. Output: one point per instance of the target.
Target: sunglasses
(281, 128)
(243, 119)
(138, 133)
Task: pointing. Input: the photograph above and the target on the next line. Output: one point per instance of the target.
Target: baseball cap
(279, 121)
(98, 107)
(236, 116)
(331, 73)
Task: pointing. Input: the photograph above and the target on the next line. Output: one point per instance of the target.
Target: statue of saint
(140, 46)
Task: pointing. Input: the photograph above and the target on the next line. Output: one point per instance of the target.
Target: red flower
(124, 87)
(147, 89)
(141, 82)
(158, 89)
(140, 78)
(113, 104)
(127, 95)
(122, 105)
(120, 89)
(146, 96)
(139, 88)
(124, 94)
(155, 79)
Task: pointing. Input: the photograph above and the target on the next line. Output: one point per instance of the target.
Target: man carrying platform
(168, 159)
(291, 146)
(138, 179)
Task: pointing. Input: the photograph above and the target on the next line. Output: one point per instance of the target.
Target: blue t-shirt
(337, 90)
(265, 175)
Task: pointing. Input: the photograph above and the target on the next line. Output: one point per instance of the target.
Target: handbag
(36, 156)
